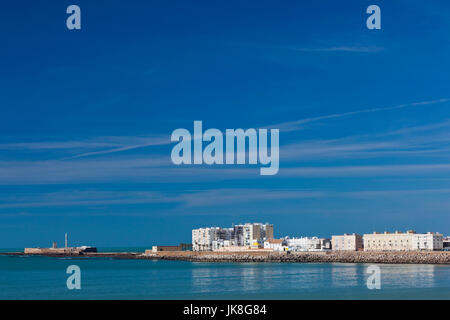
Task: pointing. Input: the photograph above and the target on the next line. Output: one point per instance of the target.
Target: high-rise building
(249, 234)
(254, 234)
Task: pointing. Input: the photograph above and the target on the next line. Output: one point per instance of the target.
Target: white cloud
(298, 124)
(356, 49)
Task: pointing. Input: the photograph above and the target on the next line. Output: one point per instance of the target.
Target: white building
(308, 244)
(254, 234)
(205, 239)
(249, 235)
(428, 241)
(221, 244)
(202, 239)
(275, 244)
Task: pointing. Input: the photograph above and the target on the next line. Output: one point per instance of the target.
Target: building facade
(399, 241)
(275, 244)
(308, 244)
(428, 241)
(347, 242)
(446, 244)
(202, 239)
(250, 235)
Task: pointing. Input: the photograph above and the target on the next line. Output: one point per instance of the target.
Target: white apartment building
(399, 241)
(215, 238)
(347, 242)
(428, 241)
(206, 239)
(251, 234)
(220, 244)
(308, 244)
(202, 239)
(254, 234)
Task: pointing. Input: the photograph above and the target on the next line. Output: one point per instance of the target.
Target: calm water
(45, 278)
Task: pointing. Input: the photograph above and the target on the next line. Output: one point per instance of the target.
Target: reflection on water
(346, 275)
(411, 276)
(392, 276)
(296, 277)
(31, 277)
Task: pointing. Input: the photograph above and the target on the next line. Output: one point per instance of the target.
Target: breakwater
(404, 257)
(401, 257)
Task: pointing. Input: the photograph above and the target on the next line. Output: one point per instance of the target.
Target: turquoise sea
(24, 277)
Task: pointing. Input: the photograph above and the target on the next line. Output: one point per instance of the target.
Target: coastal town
(255, 242)
(259, 236)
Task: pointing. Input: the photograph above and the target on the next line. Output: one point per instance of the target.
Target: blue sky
(86, 118)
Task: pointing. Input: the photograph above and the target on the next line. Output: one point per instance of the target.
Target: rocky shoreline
(405, 257)
(324, 257)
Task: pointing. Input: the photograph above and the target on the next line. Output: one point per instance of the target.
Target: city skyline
(87, 115)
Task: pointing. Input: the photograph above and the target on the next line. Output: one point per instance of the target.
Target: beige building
(268, 231)
(347, 242)
(399, 241)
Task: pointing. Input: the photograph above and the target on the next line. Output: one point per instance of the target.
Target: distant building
(428, 241)
(252, 234)
(446, 243)
(220, 244)
(185, 246)
(308, 244)
(203, 238)
(84, 249)
(165, 248)
(181, 247)
(275, 244)
(399, 241)
(347, 242)
(55, 250)
(248, 235)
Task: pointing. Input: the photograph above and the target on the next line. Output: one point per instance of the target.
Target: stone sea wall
(404, 257)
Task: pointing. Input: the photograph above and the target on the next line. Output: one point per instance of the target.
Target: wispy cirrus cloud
(298, 124)
(196, 198)
(193, 198)
(89, 147)
(431, 140)
(83, 198)
(149, 143)
(367, 171)
(161, 170)
(79, 163)
(356, 49)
